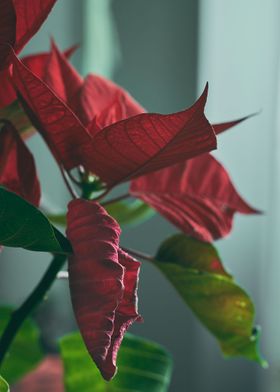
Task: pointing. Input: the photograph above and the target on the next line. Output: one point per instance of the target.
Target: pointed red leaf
(39, 63)
(149, 142)
(30, 14)
(62, 77)
(17, 167)
(62, 130)
(221, 127)
(103, 282)
(7, 30)
(197, 196)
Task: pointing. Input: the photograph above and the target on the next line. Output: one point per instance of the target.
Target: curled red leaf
(17, 167)
(197, 196)
(103, 282)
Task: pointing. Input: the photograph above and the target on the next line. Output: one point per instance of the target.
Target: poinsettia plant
(100, 138)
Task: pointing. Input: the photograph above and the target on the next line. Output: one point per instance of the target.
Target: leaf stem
(137, 253)
(119, 198)
(37, 295)
(71, 190)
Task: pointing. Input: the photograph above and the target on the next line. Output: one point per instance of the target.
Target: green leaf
(23, 225)
(4, 387)
(25, 352)
(142, 366)
(130, 212)
(195, 270)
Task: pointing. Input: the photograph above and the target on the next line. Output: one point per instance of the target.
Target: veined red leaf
(17, 167)
(30, 16)
(103, 282)
(37, 63)
(104, 101)
(149, 142)
(7, 30)
(62, 130)
(197, 196)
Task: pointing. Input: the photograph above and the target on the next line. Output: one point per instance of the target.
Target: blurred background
(163, 52)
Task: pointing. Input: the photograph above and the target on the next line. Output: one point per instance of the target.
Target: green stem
(37, 295)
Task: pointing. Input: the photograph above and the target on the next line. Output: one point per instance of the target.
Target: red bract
(123, 150)
(197, 196)
(17, 167)
(20, 20)
(103, 282)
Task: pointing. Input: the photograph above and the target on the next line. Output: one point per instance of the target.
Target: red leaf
(219, 128)
(103, 282)
(17, 167)
(197, 196)
(62, 130)
(37, 63)
(62, 77)
(103, 100)
(149, 142)
(30, 16)
(7, 30)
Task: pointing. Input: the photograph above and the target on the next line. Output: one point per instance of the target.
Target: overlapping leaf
(17, 167)
(105, 102)
(17, 363)
(62, 130)
(195, 270)
(103, 282)
(197, 196)
(144, 366)
(130, 212)
(22, 225)
(123, 150)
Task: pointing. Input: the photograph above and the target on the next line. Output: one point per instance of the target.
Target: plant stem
(137, 253)
(68, 184)
(119, 198)
(37, 295)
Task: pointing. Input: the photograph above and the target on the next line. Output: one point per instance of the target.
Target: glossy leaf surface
(17, 166)
(218, 302)
(143, 366)
(197, 196)
(25, 352)
(22, 225)
(103, 282)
